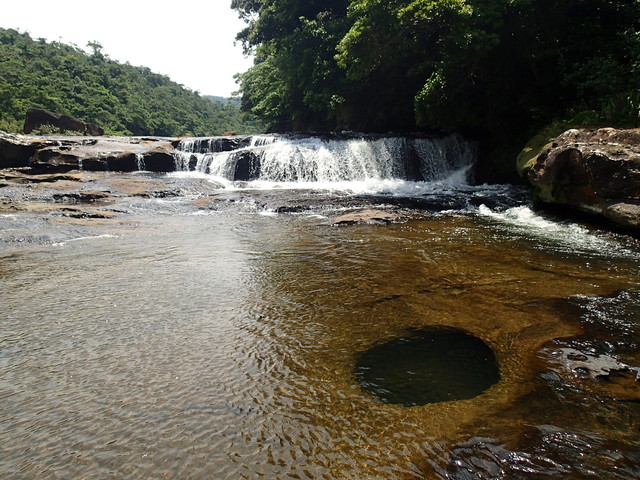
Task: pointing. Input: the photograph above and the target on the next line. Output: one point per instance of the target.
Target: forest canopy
(486, 68)
(121, 98)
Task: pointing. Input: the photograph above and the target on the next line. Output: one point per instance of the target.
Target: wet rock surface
(116, 154)
(367, 215)
(247, 166)
(543, 451)
(593, 171)
(604, 360)
(83, 195)
(596, 372)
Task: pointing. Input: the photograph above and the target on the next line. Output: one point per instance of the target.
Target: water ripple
(224, 346)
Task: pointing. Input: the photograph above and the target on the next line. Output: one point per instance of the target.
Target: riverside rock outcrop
(108, 154)
(57, 154)
(592, 171)
(65, 153)
(17, 150)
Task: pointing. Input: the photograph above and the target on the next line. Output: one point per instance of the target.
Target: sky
(191, 41)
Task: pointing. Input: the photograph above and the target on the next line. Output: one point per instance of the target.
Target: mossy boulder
(595, 171)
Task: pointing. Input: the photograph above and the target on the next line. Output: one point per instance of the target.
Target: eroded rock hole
(430, 365)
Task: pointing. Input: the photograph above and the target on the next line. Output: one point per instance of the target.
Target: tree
(295, 82)
(481, 67)
(121, 98)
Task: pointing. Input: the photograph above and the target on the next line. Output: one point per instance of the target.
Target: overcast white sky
(191, 41)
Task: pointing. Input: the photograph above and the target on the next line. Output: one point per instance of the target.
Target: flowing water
(216, 329)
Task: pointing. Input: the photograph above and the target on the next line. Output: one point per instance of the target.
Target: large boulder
(159, 157)
(37, 117)
(592, 171)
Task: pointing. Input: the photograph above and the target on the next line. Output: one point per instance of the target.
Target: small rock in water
(291, 209)
(73, 212)
(87, 196)
(366, 216)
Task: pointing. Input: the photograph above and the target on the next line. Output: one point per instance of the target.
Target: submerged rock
(542, 451)
(592, 171)
(596, 372)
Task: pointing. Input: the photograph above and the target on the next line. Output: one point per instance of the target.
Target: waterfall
(140, 162)
(287, 159)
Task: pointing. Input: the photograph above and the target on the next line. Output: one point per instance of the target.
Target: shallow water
(220, 340)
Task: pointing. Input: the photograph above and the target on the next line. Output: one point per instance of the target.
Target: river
(218, 329)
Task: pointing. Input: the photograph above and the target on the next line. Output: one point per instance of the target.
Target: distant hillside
(123, 99)
(223, 100)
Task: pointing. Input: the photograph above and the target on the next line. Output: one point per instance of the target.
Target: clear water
(201, 334)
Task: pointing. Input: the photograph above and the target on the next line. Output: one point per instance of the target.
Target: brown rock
(366, 216)
(24, 176)
(121, 154)
(17, 150)
(136, 187)
(83, 213)
(592, 171)
(83, 196)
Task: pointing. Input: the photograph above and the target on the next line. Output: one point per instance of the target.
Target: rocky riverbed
(589, 171)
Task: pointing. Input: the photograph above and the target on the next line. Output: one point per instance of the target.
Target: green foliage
(295, 82)
(493, 69)
(123, 99)
(540, 142)
(51, 130)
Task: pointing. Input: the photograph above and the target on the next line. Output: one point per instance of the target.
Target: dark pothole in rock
(430, 365)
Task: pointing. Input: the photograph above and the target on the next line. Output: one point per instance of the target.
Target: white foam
(565, 236)
(80, 239)
(314, 162)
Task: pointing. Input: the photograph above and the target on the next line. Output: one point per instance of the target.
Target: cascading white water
(140, 162)
(315, 159)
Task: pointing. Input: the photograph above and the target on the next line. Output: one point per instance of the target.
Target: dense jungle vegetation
(121, 98)
(496, 70)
